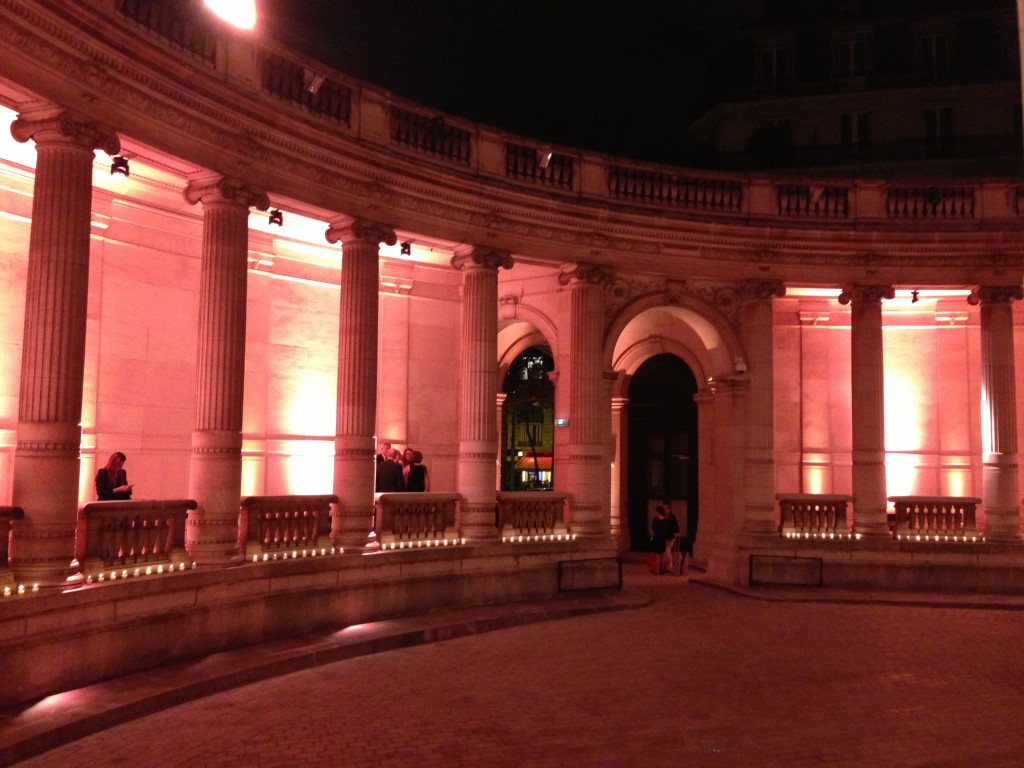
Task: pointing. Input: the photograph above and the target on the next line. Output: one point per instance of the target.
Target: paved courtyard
(697, 677)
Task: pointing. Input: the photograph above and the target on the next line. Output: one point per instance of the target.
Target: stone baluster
(999, 412)
(356, 414)
(759, 478)
(586, 470)
(478, 440)
(215, 466)
(868, 407)
(46, 461)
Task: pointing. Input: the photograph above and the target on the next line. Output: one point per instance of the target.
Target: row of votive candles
(149, 570)
(20, 590)
(540, 537)
(424, 543)
(936, 537)
(295, 554)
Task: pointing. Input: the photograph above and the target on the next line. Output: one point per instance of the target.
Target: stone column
(619, 511)
(759, 475)
(499, 418)
(588, 478)
(356, 416)
(868, 407)
(1001, 489)
(215, 466)
(478, 441)
(46, 459)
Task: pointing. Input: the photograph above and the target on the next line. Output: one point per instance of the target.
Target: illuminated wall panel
(434, 320)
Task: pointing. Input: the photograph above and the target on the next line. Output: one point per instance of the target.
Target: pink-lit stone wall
(932, 380)
(139, 391)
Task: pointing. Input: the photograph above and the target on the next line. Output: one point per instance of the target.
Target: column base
(476, 523)
(348, 532)
(211, 542)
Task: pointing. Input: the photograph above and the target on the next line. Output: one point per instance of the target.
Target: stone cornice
(77, 57)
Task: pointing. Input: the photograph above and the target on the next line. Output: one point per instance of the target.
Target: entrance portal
(662, 446)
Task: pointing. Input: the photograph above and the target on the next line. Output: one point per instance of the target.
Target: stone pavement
(680, 674)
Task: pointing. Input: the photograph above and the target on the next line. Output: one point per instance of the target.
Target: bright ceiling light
(237, 13)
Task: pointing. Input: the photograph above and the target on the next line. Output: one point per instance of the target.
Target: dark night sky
(615, 76)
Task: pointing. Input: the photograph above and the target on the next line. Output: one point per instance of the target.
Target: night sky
(615, 76)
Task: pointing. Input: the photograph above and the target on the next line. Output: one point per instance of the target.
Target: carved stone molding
(482, 258)
(866, 293)
(508, 307)
(361, 231)
(591, 274)
(66, 126)
(762, 289)
(995, 294)
(220, 189)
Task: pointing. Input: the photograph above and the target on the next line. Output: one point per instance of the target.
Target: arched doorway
(662, 445)
(528, 423)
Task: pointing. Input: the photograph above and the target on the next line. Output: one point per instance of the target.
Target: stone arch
(687, 326)
(520, 327)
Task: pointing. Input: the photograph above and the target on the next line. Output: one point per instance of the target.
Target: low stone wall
(964, 568)
(55, 642)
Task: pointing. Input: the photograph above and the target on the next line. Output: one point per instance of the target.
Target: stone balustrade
(344, 107)
(7, 517)
(410, 520)
(813, 516)
(936, 518)
(272, 525)
(532, 516)
(132, 536)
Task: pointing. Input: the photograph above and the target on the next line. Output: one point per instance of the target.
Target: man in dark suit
(389, 474)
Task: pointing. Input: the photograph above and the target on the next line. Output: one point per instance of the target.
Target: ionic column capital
(223, 190)
(584, 274)
(482, 258)
(361, 231)
(995, 294)
(66, 128)
(866, 293)
(762, 289)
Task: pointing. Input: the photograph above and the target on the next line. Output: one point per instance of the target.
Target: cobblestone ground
(698, 678)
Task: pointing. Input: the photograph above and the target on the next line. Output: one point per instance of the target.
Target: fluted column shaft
(759, 475)
(868, 407)
(357, 380)
(478, 436)
(215, 465)
(588, 478)
(46, 461)
(1000, 475)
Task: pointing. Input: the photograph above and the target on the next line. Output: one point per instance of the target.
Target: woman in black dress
(112, 481)
(416, 478)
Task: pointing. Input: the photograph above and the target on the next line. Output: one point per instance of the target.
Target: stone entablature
(209, 107)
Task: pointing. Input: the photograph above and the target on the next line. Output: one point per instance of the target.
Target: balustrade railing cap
(416, 496)
(129, 504)
(250, 501)
(936, 499)
(812, 497)
(526, 495)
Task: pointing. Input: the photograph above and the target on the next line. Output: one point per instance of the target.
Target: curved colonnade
(220, 354)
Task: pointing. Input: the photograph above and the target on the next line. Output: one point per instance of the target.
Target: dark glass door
(662, 446)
